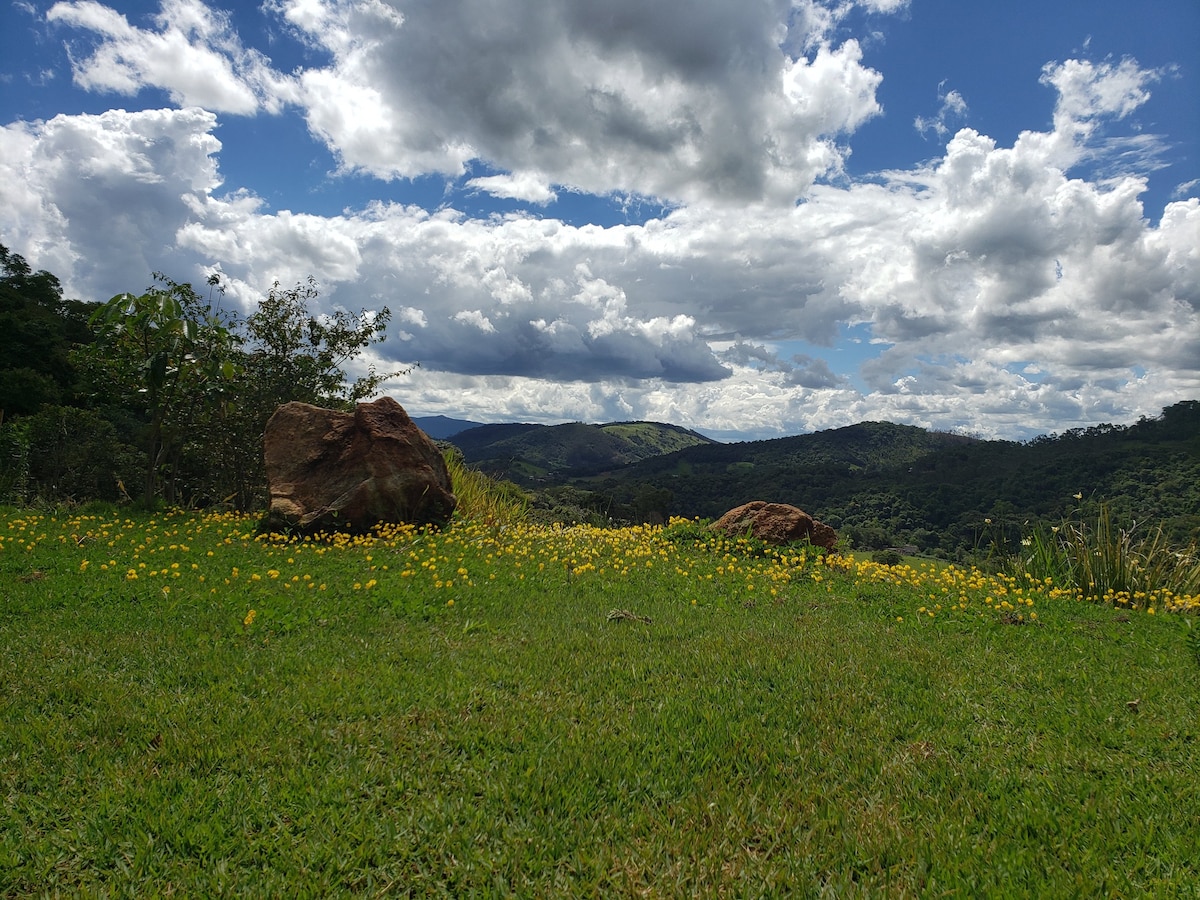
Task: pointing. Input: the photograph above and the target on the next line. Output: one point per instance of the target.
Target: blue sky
(748, 219)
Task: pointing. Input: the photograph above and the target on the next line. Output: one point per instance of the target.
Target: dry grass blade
(616, 615)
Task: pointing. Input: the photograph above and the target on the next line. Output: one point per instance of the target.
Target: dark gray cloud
(813, 373)
(656, 99)
(560, 350)
(800, 369)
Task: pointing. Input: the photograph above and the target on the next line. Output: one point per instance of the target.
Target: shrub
(14, 460)
(887, 557)
(73, 455)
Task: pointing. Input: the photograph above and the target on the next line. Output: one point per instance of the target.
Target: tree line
(886, 485)
(162, 395)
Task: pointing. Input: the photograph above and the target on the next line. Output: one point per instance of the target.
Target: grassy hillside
(191, 710)
(650, 439)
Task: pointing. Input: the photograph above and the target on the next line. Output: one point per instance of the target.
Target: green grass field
(186, 710)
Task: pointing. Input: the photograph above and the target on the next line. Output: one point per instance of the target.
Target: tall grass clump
(1103, 562)
(483, 499)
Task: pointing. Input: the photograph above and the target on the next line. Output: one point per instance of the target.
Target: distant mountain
(804, 470)
(441, 427)
(854, 448)
(533, 454)
(888, 484)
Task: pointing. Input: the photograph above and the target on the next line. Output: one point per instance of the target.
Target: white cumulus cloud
(526, 186)
(193, 55)
(1006, 286)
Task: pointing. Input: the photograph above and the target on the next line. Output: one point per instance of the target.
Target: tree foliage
(166, 377)
(167, 353)
(37, 329)
(298, 355)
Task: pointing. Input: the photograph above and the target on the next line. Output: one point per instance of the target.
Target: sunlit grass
(503, 709)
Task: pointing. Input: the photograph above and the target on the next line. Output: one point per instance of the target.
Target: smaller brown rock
(776, 523)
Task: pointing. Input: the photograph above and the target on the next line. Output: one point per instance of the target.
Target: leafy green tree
(24, 390)
(296, 355)
(166, 353)
(37, 330)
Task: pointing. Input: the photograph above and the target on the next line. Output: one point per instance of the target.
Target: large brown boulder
(775, 523)
(335, 471)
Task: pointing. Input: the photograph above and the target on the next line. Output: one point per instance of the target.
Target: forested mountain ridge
(537, 454)
(887, 485)
(853, 448)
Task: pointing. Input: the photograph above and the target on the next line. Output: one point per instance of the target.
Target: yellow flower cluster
(445, 566)
(956, 589)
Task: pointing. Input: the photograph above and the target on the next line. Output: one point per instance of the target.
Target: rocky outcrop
(335, 471)
(776, 523)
